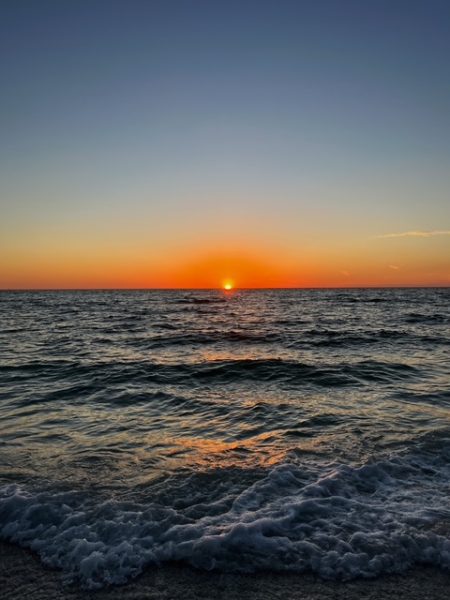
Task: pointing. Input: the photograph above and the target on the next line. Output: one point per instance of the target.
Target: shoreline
(22, 575)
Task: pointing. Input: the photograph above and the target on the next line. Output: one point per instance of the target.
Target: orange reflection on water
(207, 453)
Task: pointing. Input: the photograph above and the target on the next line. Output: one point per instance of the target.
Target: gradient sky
(183, 143)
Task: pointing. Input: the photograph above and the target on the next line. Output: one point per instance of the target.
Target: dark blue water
(286, 429)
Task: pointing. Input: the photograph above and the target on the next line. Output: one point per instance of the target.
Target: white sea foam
(336, 520)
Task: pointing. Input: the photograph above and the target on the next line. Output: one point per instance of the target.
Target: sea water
(300, 430)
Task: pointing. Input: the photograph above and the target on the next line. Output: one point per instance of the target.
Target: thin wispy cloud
(419, 234)
(394, 267)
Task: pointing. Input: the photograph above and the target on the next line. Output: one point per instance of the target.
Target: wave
(303, 338)
(338, 520)
(203, 338)
(439, 398)
(201, 300)
(219, 371)
(366, 300)
(333, 337)
(428, 319)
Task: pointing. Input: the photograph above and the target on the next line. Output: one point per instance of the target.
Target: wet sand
(23, 577)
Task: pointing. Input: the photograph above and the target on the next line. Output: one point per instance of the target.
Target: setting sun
(228, 285)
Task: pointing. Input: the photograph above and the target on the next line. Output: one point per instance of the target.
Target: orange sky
(396, 261)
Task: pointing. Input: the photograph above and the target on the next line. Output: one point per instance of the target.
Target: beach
(23, 576)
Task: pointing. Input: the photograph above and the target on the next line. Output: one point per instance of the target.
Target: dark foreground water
(287, 430)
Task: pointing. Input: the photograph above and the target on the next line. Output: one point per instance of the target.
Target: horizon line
(209, 289)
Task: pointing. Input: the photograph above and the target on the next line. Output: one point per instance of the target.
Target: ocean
(242, 431)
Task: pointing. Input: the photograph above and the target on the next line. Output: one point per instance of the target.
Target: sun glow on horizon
(228, 285)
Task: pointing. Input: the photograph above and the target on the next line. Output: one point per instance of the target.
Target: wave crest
(339, 521)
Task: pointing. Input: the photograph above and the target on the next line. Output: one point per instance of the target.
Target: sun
(228, 285)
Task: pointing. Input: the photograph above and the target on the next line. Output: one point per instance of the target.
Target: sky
(187, 143)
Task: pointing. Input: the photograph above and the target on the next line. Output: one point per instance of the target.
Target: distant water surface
(280, 429)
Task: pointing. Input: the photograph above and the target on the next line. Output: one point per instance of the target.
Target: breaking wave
(337, 520)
